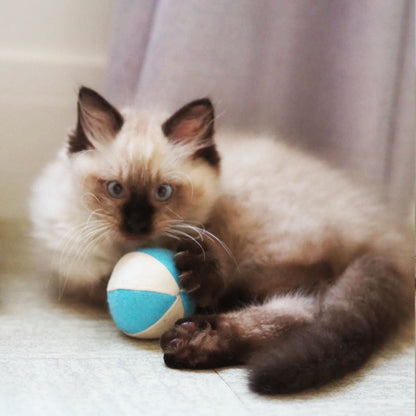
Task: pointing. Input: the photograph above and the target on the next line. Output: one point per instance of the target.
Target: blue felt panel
(134, 311)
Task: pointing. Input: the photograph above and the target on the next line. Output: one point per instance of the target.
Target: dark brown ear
(98, 121)
(193, 121)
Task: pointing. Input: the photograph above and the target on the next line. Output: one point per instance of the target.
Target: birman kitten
(298, 274)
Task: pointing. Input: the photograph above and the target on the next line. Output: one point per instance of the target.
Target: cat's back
(268, 166)
(281, 194)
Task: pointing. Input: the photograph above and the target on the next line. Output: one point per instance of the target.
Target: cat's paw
(196, 342)
(199, 271)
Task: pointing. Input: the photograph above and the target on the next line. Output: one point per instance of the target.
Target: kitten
(301, 275)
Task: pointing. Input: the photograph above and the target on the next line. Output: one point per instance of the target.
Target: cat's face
(140, 179)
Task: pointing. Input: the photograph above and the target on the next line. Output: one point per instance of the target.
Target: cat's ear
(98, 121)
(193, 121)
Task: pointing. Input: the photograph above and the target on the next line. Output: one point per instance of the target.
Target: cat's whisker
(77, 260)
(171, 235)
(174, 213)
(92, 214)
(88, 248)
(203, 232)
(71, 236)
(196, 229)
(222, 244)
(100, 213)
(82, 253)
(88, 195)
(186, 235)
(89, 237)
(79, 236)
(219, 115)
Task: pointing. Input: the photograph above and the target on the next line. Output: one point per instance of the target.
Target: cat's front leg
(209, 341)
(90, 292)
(201, 270)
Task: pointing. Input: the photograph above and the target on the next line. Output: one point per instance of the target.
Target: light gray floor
(64, 359)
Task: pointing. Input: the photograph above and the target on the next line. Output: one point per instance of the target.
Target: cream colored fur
(292, 208)
(285, 206)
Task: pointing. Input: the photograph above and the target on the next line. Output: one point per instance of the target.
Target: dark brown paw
(199, 271)
(196, 342)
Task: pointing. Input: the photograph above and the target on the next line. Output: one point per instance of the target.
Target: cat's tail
(365, 304)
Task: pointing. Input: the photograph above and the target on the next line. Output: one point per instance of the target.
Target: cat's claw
(195, 342)
(199, 272)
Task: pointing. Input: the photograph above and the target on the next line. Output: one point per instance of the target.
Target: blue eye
(163, 192)
(115, 189)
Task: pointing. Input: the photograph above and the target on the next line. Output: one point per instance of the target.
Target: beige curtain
(336, 76)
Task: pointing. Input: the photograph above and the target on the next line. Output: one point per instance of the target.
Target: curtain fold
(335, 76)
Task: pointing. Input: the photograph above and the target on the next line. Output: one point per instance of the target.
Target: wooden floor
(58, 358)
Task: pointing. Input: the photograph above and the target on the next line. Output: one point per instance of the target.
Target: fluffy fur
(300, 274)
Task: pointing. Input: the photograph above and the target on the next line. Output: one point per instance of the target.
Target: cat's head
(141, 176)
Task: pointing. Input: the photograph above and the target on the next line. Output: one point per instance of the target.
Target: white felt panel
(140, 271)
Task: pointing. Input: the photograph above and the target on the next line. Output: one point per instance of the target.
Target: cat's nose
(135, 225)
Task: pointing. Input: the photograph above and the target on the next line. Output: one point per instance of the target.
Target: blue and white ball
(143, 293)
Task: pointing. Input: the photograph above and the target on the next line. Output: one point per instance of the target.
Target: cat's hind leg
(209, 341)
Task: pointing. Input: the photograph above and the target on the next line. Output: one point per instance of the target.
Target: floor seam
(232, 390)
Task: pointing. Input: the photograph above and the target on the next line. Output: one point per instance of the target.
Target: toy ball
(143, 293)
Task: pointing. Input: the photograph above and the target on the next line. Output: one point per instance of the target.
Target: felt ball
(143, 293)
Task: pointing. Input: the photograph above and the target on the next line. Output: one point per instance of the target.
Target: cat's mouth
(133, 238)
(130, 241)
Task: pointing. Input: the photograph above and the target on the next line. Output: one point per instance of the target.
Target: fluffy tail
(364, 305)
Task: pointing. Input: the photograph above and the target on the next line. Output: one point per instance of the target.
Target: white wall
(47, 49)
